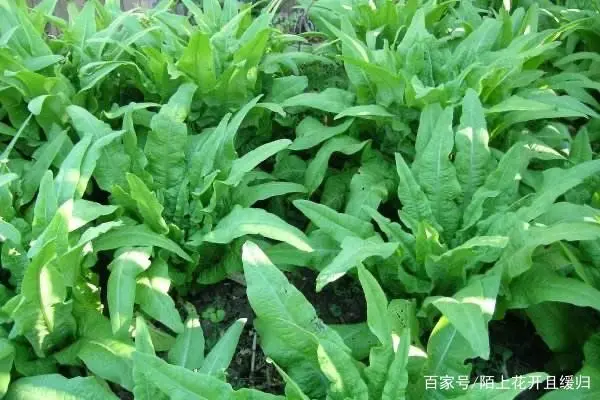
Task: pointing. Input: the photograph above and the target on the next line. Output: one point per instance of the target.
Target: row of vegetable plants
(442, 154)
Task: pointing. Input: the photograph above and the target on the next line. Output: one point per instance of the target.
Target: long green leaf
(139, 235)
(253, 221)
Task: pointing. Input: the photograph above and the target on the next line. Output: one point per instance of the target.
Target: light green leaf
(329, 100)
(105, 158)
(541, 284)
(107, 161)
(292, 390)
(415, 33)
(286, 87)
(414, 202)
(5, 179)
(42, 316)
(157, 303)
(516, 258)
(556, 182)
(152, 296)
(139, 235)
(339, 367)
(337, 225)
(220, 356)
(290, 167)
(7, 356)
(91, 74)
(71, 216)
(57, 387)
(142, 389)
(204, 159)
(479, 41)
(310, 132)
(166, 143)
(370, 186)
(255, 394)
(6, 153)
(504, 179)
(249, 195)
(143, 340)
(473, 158)
(254, 221)
(131, 109)
(568, 212)
(227, 147)
(198, 62)
(468, 320)
(395, 233)
(286, 322)
(147, 205)
(317, 167)
(45, 206)
(449, 269)
(67, 180)
(273, 107)
(188, 350)
(396, 383)
(335, 190)
(250, 160)
(131, 148)
(109, 359)
(447, 351)
(581, 148)
(371, 110)
(542, 105)
(178, 382)
(9, 232)
(377, 305)
(437, 176)
(121, 287)
(83, 212)
(354, 251)
(33, 177)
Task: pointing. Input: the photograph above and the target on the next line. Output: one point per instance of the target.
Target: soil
(340, 302)
(516, 350)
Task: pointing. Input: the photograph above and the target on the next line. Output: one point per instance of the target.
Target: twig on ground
(253, 359)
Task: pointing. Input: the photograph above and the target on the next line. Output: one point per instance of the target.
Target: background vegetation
(343, 201)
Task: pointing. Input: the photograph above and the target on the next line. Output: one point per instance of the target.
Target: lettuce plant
(452, 171)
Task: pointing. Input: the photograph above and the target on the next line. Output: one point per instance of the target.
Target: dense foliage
(444, 154)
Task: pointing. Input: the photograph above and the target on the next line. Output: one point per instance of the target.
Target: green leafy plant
(442, 155)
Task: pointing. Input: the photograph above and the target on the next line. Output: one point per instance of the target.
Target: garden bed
(365, 200)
